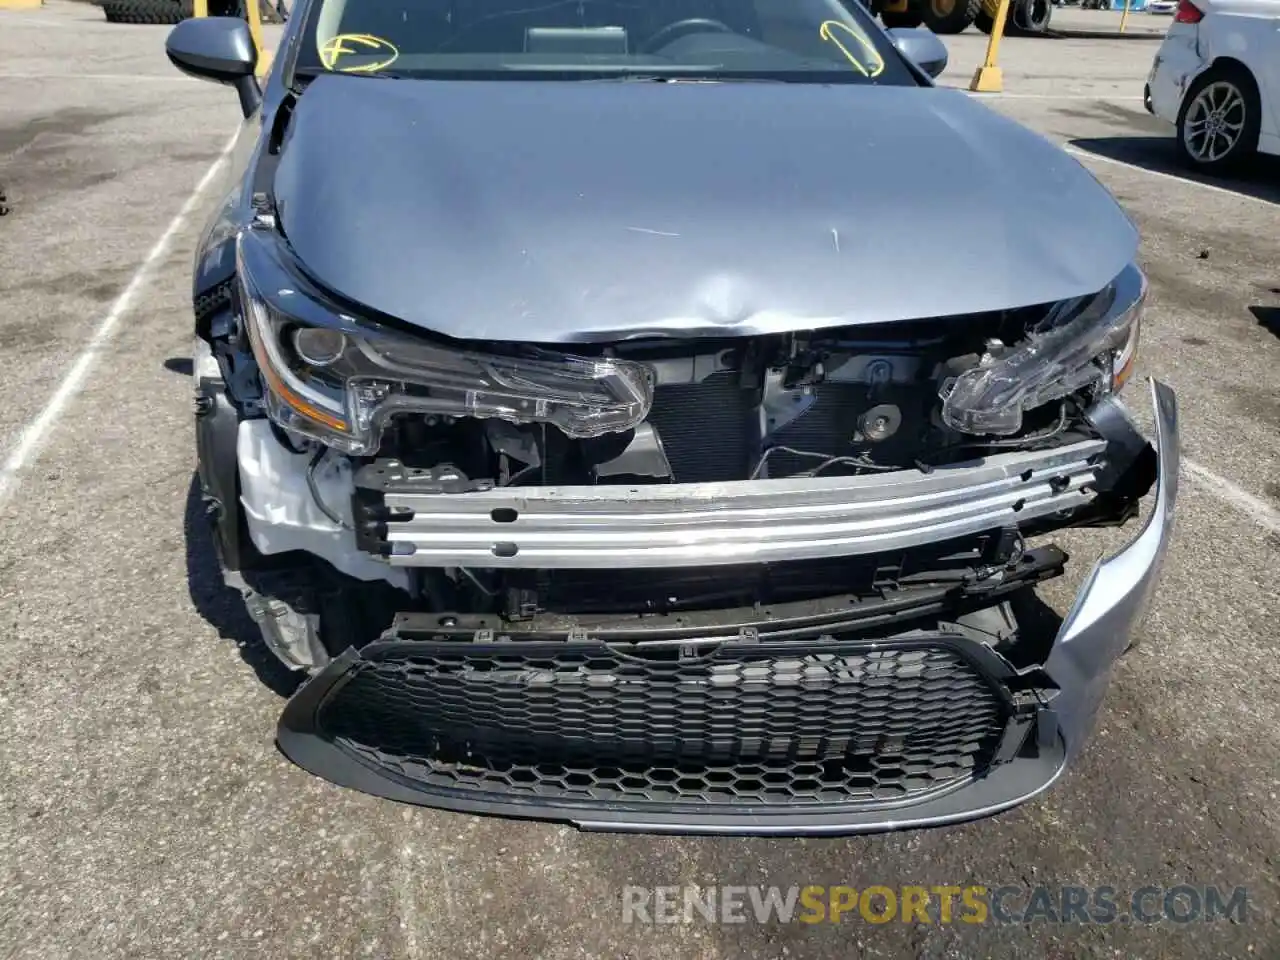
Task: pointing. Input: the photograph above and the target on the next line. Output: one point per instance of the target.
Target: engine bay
(862, 402)
(842, 404)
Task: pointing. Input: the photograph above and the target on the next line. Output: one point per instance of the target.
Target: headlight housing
(1086, 341)
(335, 379)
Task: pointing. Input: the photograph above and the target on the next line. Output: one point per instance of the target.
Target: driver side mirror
(218, 49)
(922, 47)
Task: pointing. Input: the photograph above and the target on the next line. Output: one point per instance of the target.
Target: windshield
(816, 41)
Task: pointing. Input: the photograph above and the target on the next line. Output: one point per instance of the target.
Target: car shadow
(179, 365)
(1268, 318)
(1259, 179)
(221, 606)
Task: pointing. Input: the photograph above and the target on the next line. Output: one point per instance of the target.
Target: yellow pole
(1124, 17)
(253, 12)
(989, 78)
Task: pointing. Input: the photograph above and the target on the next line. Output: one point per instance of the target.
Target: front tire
(949, 16)
(1219, 120)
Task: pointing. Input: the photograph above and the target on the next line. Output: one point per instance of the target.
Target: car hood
(597, 210)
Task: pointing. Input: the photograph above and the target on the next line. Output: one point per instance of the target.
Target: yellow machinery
(1026, 17)
(175, 11)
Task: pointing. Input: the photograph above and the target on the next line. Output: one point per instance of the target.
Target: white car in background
(1217, 79)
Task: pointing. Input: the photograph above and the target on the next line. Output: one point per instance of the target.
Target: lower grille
(771, 724)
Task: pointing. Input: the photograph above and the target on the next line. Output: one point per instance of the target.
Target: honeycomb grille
(768, 724)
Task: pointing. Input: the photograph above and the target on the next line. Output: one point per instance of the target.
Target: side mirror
(922, 47)
(218, 49)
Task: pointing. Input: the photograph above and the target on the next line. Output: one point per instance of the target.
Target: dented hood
(594, 210)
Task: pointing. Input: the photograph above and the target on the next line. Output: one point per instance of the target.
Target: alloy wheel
(1214, 121)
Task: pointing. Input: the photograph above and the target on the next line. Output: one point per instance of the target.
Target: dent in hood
(562, 211)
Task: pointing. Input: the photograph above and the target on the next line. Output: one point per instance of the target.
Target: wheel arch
(1226, 61)
(1213, 69)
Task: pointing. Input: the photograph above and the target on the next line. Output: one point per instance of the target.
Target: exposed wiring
(863, 464)
(315, 490)
(859, 462)
(1023, 441)
(520, 473)
(1030, 438)
(1049, 434)
(828, 460)
(476, 580)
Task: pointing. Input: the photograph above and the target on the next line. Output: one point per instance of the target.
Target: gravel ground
(144, 811)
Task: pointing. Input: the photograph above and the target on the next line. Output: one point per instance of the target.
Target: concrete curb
(1091, 34)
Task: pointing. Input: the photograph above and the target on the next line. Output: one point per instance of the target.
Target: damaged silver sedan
(601, 409)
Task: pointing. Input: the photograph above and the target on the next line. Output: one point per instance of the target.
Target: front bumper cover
(1035, 745)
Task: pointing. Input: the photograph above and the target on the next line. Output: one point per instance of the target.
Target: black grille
(764, 723)
(214, 300)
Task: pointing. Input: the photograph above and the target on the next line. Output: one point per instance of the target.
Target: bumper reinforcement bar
(698, 524)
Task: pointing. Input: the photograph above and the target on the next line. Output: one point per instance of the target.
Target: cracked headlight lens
(1083, 342)
(335, 379)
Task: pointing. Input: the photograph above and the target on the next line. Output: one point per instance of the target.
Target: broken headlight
(1082, 342)
(335, 379)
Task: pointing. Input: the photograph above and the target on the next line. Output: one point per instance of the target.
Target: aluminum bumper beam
(698, 524)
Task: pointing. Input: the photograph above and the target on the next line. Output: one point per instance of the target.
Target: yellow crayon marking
(873, 56)
(359, 44)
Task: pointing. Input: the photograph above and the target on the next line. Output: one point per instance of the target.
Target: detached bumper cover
(698, 524)
(778, 731)
(1115, 595)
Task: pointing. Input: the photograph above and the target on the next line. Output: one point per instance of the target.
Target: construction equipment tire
(949, 16)
(146, 11)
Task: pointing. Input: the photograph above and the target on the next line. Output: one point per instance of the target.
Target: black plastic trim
(790, 620)
(302, 740)
(217, 432)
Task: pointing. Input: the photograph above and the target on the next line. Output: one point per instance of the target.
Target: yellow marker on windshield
(361, 45)
(874, 65)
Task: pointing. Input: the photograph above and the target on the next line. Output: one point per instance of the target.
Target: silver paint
(1115, 595)
(590, 211)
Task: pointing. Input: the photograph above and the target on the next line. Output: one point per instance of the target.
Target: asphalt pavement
(144, 810)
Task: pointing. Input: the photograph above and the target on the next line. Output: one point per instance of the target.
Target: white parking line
(1226, 491)
(1090, 155)
(33, 436)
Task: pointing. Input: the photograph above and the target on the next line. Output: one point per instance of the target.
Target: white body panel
(1247, 31)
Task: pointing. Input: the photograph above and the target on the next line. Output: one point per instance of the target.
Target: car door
(1270, 70)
